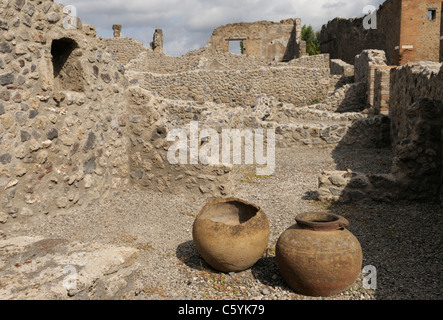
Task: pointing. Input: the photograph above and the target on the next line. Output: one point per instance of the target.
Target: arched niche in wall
(68, 71)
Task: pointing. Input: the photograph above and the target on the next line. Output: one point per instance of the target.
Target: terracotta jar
(231, 234)
(318, 256)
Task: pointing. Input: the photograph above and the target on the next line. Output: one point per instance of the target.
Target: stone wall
(417, 119)
(295, 85)
(125, 49)
(71, 130)
(58, 142)
(316, 61)
(340, 67)
(149, 120)
(416, 133)
(205, 59)
(271, 41)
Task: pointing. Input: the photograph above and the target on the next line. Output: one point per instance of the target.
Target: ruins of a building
(407, 30)
(117, 28)
(268, 40)
(85, 115)
(157, 41)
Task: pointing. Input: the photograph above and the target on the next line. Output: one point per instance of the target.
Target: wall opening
(236, 46)
(432, 14)
(68, 72)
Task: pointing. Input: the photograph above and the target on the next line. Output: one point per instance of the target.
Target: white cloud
(188, 24)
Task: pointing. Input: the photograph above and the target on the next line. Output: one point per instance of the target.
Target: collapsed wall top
(274, 41)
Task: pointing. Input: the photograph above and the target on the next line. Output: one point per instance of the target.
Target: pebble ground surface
(403, 241)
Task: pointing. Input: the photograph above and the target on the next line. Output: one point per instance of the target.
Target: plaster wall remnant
(271, 41)
(157, 41)
(117, 28)
(404, 31)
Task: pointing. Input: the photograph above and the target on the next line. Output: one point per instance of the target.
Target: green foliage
(242, 48)
(312, 40)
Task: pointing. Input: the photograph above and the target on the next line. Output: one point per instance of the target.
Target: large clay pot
(231, 234)
(318, 256)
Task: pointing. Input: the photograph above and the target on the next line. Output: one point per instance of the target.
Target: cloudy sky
(188, 24)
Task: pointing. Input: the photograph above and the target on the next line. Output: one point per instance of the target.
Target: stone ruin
(83, 117)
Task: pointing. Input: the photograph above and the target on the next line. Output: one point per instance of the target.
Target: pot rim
(323, 221)
(227, 200)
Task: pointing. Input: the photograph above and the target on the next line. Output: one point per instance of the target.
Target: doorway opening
(68, 72)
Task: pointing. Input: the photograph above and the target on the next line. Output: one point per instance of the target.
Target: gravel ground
(403, 241)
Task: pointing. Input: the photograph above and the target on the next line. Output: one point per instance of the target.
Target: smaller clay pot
(231, 234)
(318, 256)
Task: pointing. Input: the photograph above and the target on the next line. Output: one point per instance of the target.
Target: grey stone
(4, 25)
(5, 47)
(90, 142)
(29, 9)
(5, 158)
(19, 4)
(89, 165)
(337, 180)
(52, 134)
(27, 20)
(106, 77)
(33, 113)
(25, 136)
(21, 117)
(332, 140)
(137, 174)
(135, 118)
(6, 78)
(53, 17)
(2, 109)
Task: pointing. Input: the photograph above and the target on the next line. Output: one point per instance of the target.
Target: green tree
(312, 40)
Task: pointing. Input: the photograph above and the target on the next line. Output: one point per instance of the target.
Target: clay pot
(231, 234)
(318, 256)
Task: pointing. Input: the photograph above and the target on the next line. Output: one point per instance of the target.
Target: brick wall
(403, 31)
(382, 82)
(420, 37)
(345, 38)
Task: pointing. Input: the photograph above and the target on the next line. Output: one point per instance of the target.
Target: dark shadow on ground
(266, 271)
(188, 254)
(404, 242)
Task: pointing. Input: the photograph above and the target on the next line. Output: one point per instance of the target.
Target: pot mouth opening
(232, 212)
(321, 221)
